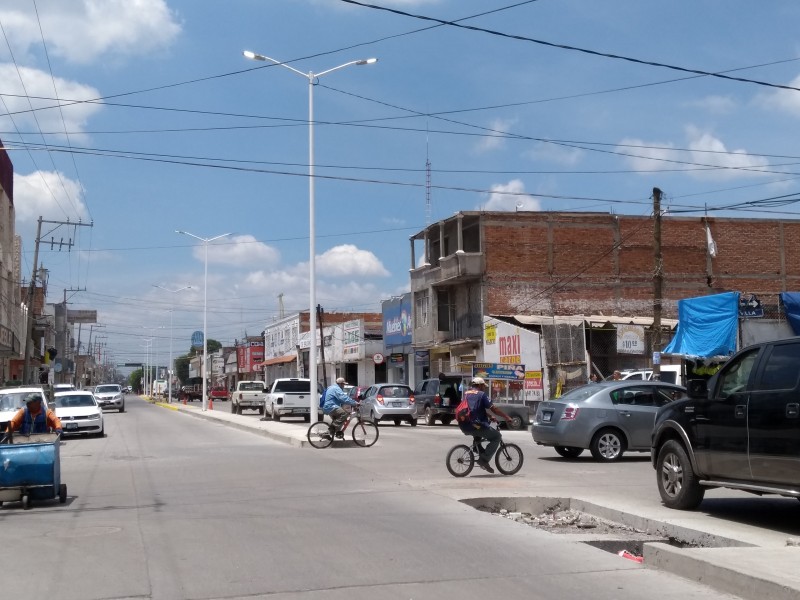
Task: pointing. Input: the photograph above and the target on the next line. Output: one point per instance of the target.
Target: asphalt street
(171, 507)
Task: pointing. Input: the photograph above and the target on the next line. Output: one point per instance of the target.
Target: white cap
(341, 380)
(477, 381)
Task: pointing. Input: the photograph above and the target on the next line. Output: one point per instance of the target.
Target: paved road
(170, 507)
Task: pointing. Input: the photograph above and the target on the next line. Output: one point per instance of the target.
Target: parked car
(437, 398)
(12, 399)
(390, 401)
(669, 374)
(109, 395)
(609, 418)
(740, 430)
(63, 387)
(356, 392)
(79, 413)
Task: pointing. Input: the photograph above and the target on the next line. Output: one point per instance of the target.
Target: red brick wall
(567, 263)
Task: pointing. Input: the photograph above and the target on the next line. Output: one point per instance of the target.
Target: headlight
(118, 397)
(94, 417)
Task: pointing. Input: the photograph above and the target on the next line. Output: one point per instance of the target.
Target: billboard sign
(397, 321)
(197, 339)
(505, 371)
(81, 316)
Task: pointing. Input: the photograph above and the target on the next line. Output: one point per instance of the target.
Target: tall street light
(312, 289)
(171, 368)
(205, 305)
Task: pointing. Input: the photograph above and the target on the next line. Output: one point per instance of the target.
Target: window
(736, 374)
(781, 370)
(422, 309)
(633, 396)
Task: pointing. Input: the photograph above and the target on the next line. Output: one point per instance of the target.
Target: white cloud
(787, 101)
(349, 261)
(703, 150)
(238, 251)
(86, 31)
(719, 105)
(38, 84)
(555, 153)
(510, 196)
(48, 194)
(495, 139)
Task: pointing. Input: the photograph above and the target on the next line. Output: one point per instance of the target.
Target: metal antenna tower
(427, 184)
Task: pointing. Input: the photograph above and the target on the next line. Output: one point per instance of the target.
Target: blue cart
(30, 469)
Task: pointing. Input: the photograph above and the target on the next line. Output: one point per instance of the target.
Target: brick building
(477, 264)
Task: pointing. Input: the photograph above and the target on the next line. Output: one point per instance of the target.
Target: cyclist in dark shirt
(479, 426)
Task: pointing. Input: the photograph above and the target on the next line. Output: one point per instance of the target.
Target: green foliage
(135, 379)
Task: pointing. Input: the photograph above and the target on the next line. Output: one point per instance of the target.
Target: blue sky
(183, 132)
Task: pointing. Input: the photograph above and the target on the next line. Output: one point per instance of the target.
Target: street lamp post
(205, 305)
(312, 286)
(171, 369)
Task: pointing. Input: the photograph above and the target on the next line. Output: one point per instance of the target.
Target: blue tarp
(706, 326)
(791, 304)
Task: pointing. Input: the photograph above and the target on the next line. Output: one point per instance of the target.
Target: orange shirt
(52, 420)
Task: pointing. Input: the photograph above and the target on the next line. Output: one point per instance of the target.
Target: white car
(110, 395)
(12, 399)
(79, 413)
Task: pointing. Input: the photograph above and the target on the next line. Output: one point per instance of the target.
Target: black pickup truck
(739, 430)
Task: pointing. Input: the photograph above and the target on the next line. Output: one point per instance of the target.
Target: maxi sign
(397, 323)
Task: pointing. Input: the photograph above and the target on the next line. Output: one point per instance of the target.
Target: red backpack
(463, 412)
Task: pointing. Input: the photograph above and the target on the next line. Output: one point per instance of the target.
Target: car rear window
(293, 386)
(579, 394)
(395, 391)
(251, 387)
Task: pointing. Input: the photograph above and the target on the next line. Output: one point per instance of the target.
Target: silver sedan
(608, 418)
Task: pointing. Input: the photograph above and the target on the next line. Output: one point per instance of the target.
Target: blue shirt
(334, 398)
(478, 403)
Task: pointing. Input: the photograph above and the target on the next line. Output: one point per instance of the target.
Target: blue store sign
(506, 371)
(197, 339)
(397, 322)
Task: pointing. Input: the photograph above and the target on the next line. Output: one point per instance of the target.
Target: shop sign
(533, 380)
(490, 334)
(397, 358)
(630, 339)
(422, 358)
(506, 371)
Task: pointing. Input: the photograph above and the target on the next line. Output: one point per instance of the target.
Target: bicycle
(365, 432)
(461, 458)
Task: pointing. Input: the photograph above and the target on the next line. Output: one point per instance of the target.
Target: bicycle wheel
(365, 433)
(460, 460)
(508, 459)
(319, 435)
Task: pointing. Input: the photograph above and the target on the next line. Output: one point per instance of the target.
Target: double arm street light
(312, 291)
(205, 305)
(171, 367)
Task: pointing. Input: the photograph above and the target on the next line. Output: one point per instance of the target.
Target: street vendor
(33, 418)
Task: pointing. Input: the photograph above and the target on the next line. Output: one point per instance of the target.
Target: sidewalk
(762, 566)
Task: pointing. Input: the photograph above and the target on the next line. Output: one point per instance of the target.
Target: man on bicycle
(335, 399)
(479, 402)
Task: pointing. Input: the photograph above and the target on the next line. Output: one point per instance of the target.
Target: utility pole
(321, 312)
(65, 335)
(26, 375)
(658, 283)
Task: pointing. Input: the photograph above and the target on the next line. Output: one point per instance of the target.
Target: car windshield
(74, 401)
(106, 389)
(13, 401)
(251, 387)
(293, 386)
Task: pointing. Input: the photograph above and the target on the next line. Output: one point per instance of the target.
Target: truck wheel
(430, 416)
(62, 493)
(261, 410)
(677, 482)
(516, 423)
(413, 422)
(233, 408)
(306, 418)
(276, 416)
(447, 420)
(238, 409)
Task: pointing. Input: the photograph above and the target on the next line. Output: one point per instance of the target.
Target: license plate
(445, 401)
(397, 404)
(71, 425)
(546, 417)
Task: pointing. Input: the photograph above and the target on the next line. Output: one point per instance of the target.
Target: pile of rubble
(566, 521)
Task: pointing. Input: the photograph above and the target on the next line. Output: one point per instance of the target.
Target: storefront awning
(277, 361)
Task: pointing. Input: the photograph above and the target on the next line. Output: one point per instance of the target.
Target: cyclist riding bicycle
(335, 399)
(478, 426)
